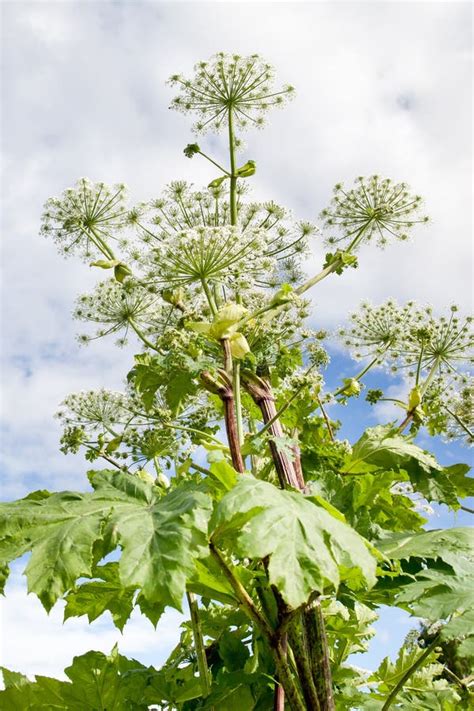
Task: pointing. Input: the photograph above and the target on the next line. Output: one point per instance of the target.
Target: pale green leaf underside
(159, 536)
(308, 548)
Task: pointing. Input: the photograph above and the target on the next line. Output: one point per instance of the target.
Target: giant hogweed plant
(226, 492)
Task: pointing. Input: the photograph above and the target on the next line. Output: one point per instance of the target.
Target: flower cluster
(411, 337)
(377, 331)
(444, 342)
(375, 208)
(96, 409)
(280, 243)
(460, 409)
(113, 425)
(120, 307)
(85, 218)
(228, 86)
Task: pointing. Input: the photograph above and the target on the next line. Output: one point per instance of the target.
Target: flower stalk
(204, 674)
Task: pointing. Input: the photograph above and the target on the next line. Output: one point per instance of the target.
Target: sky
(381, 87)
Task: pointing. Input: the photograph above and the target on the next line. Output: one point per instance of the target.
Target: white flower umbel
(378, 331)
(96, 409)
(374, 209)
(441, 344)
(460, 409)
(120, 307)
(229, 86)
(181, 208)
(85, 218)
(204, 255)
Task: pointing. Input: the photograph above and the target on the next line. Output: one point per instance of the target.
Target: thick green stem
(274, 640)
(318, 277)
(319, 651)
(409, 672)
(103, 246)
(199, 648)
(298, 642)
(356, 239)
(430, 377)
(423, 389)
(326, 419)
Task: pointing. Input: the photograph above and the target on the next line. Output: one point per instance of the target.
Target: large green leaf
(308, 548)
(176, 380)
(454, 546)
(97, 683)
(438, 593)
(461, 628)
(160, 536)
(423, 689)
(105, 592)
(383, 448)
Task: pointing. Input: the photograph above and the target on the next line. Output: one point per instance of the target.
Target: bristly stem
(319, 651)
(298, 642)
(274, 641)
(286, 405)
(261, 393)
(223, 388)
(199, 648)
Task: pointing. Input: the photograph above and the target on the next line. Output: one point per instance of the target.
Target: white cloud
(33, 642)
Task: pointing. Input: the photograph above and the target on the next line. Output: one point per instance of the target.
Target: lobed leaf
(160, 536)
(308, 548)
(382, 448)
